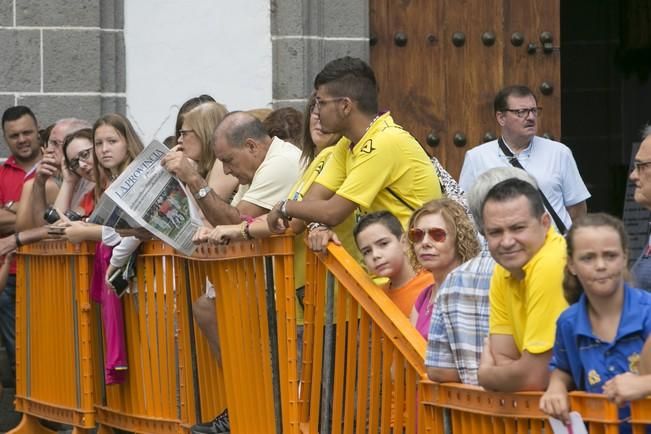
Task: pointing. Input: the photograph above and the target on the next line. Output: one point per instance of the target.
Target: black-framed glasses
(524, 112)
(81, 156)
(639, 165)
(183, 133)
(321, 102)
(416, 235)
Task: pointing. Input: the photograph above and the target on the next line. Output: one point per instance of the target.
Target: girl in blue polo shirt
(600, 337)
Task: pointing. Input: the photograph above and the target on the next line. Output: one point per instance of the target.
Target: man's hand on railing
(627, 387)
(277, 223)
(221, 235)
(319, 236)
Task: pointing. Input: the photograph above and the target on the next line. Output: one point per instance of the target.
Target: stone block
(49, 108)
(6, 101)
(287, 17)
(333, 49)
(112, 61)
(114, 104)
(71, 61)
(345, 18)
(289, 68)
(20, 68)
(111, 14)
(6, 13)
(78, 13)
(297, 104)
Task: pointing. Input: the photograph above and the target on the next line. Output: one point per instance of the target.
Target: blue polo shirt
(592, 362)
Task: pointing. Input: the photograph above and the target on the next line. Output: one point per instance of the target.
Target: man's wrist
(282, 208)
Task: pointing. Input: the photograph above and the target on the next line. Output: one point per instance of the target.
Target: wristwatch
(8, 206)
(203, 192)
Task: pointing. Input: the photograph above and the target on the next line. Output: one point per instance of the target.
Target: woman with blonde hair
(441, 237)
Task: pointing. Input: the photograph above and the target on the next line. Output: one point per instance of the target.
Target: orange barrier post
(256, 319)
(378, 358)
(474, 410)
(161, 392)
(640, 415)
(174, 381)
(57, 376)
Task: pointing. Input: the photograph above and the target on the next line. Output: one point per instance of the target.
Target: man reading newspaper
(266, 169)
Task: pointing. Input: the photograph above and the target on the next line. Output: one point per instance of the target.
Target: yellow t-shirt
(386, 170)
(344, 230)
(527, 309)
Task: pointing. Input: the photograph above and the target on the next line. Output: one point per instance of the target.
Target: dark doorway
(606, 91)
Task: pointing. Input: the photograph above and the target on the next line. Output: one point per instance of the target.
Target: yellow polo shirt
(386, 170)
(527, 309)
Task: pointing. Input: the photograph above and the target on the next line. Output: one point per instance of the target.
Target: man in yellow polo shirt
(526, 294)
(379, 166)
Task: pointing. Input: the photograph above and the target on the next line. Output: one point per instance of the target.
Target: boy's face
(384, 254)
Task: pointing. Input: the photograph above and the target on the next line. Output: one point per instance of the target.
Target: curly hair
(466, 243)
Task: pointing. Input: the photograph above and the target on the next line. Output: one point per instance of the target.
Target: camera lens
(51, 215)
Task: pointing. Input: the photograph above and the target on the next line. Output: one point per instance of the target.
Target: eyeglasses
(54, 143)
(523, 113)
(321, 102)
(81, 156)
(183, 133)
(639, 165)
(417, 235)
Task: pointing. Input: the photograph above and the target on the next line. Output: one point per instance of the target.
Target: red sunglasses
(417, 235)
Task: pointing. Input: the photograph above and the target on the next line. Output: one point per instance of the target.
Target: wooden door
(439, 64)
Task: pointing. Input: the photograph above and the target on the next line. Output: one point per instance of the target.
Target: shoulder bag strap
(515, 163)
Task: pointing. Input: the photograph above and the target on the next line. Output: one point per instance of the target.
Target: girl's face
(383, 253)
(598, 260)
(80, 156)
(320, 139)
(110, 147)
(190, 142)
(433, 253)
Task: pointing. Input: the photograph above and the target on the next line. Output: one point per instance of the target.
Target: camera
(52, 216)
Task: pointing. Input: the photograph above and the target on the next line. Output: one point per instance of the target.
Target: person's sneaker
(219, 425)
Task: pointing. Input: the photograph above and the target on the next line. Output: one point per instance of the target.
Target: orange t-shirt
(405, 296)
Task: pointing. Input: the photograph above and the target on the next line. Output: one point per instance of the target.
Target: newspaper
(147, 196)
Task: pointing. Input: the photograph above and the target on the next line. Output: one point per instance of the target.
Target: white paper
(576, 425)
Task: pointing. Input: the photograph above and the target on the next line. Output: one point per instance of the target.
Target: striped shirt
(460, 320)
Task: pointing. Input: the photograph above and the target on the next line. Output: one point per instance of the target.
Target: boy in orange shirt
(379, 238)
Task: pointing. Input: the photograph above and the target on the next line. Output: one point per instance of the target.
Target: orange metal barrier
(362, 369)
(254, 285)
(56, 339)
(362, 361)
(473, 410)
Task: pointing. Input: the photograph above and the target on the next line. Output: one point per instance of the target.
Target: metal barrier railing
(56, 337)
(362, 368)
(362, 360)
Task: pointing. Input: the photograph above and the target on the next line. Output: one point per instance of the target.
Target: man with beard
(550, 163)
(20, 131)
(378, 166)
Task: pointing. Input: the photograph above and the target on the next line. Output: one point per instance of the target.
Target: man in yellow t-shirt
(379, 167)
(526, 294)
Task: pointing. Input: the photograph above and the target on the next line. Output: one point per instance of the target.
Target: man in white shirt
(266, 169)
(550, 163)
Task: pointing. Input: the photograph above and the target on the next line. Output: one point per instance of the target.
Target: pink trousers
(115, 352)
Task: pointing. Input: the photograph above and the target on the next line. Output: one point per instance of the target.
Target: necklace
(377, 116)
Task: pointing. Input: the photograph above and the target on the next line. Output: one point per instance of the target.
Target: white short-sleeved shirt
(550, 163)
(274, 178)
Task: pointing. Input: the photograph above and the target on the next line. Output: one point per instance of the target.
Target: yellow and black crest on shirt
(634, 363)
(593, 377)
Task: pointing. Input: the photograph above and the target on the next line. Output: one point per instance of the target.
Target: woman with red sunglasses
(441, 237)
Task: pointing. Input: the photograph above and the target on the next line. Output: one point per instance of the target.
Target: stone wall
(62, 58)
(306, 34)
